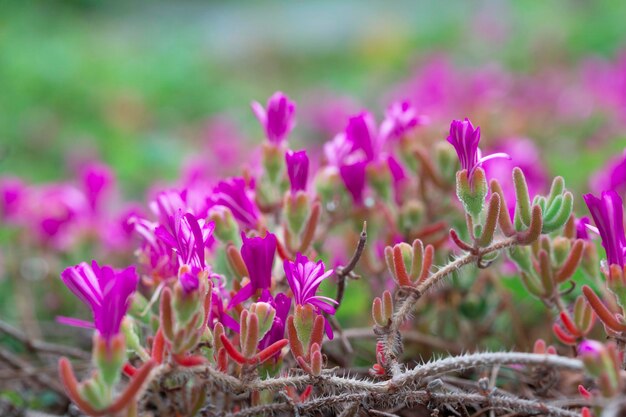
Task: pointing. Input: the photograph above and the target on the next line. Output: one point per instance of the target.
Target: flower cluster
(236, 281)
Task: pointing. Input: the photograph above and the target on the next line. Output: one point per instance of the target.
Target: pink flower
(465, 140)
(232, 193)
(105, 290)
(400, 118)
(304, 278)
(608, 215)
(297, 169)
(258, 255)
(278, 118)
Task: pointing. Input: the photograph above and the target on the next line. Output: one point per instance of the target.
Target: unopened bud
(472, 192)
(226, 228)
(411, 214)
(297, 210)
(266, 314)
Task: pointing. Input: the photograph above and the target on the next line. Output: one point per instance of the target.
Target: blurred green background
(134, 82)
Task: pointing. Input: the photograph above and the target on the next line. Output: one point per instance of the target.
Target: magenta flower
(465, 140)
(97, 180)
(155, 255)
(400, 118)
(258, 255)
(278, 118)
(56, 221)
(338, 150)
(608, 215)
(105, 290)
(187, 237)
(353, 177)
(297, 169)
(232, 194)
(362, 133)
(304, 278)
(166, 204)
(13, 193)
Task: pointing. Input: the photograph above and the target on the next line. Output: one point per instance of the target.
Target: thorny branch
(422, 397)
(406, 378)
(405, 310)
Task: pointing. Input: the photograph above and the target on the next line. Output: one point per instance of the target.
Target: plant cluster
(223, 312)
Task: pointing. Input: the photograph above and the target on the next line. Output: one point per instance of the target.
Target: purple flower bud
(362, 133)
(400, 118)
(297, 169)
(353, 177)
(278, 118)
(105, 290)
(258, 255)
(608, 215)
(465, 140)
(97, 179)
(232, 193)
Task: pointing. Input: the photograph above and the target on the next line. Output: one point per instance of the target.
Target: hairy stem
(406, 308)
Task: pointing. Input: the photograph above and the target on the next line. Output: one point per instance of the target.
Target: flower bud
(561, 247)
(226, 228)
(266, 313)
(616, 281)
(472, 192)
(273, 161)
(297, 210)
(188, 293)
(327, 184)
(601, 361)
(304, 320)
(410, 216)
